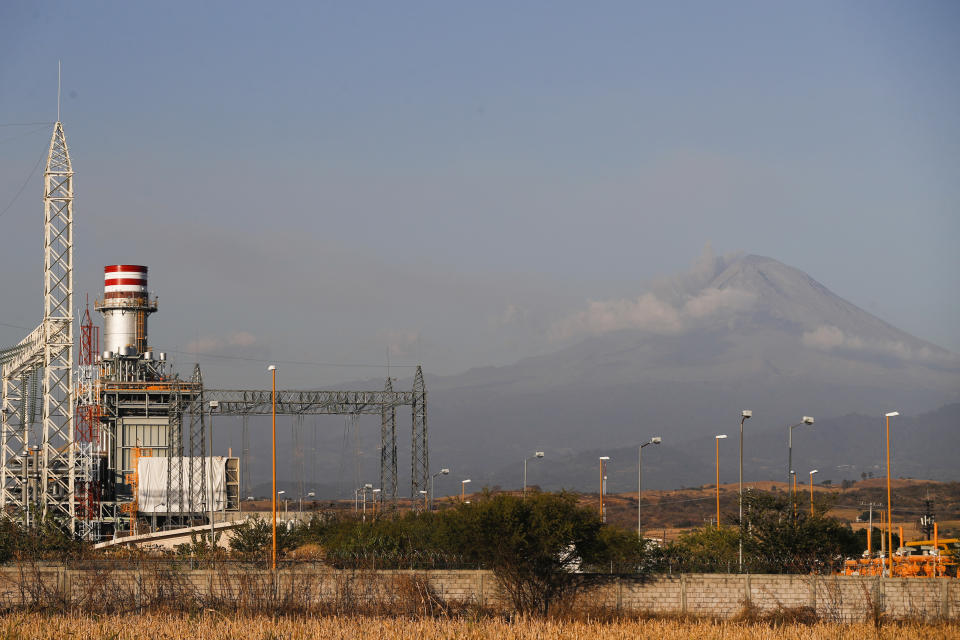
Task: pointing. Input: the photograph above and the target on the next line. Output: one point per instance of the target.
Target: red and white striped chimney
(125, 307)
(124, 280)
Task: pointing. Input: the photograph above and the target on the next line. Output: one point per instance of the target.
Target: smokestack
(125, 307)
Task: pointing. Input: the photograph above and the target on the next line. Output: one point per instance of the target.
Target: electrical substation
(113, 442)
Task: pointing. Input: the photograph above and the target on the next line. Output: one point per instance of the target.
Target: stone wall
(836, 598)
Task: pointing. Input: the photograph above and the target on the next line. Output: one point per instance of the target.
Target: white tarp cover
(152, 488)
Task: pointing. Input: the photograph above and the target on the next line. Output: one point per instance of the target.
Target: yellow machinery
(936, 558)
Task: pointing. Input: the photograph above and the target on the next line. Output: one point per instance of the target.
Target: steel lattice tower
(49, 350)
(420, 457)
(388, 451)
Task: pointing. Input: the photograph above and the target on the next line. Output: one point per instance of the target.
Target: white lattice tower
(47, 350)
(58, 394)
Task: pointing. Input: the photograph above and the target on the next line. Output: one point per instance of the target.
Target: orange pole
(889, 504)
(901, 544)
(870, 539)
(273, 497)
(936, 548)
(601, 491)
(718, 482)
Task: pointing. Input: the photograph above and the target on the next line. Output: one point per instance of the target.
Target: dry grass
(214, 626)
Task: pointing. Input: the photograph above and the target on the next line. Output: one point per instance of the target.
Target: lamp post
(744, 415)
(280, 493)
(793, 495)
(425, 497)
(806, 420)
(718, 439)
(463, 484)
(214, 405)
(375, 496)
(366, 487)
(888, 415)
(603, 484)
(442, 472)
(310, 494)
(653, 440)
(273, 401)
(811, 492)
(536, 454)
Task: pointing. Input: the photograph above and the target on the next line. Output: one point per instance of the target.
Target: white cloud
(402, 342)
(831, 338)
(712, 301)
(650, 313)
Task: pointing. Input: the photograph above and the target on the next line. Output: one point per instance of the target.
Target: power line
(22, 187)
(295, 362)
(15, 326)
(23, 134)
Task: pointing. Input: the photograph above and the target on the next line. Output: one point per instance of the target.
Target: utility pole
(927, 520)
(870, 506)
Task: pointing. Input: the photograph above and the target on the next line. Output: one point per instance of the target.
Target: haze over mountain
(681, 361)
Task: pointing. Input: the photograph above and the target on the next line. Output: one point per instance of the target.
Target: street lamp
(424, 494)
(273, 401)
(744, 415)
(653, 440)
(463, 483)
(603, 484)
(366, 487)
(806, 420)
(888, 415)
(793, 495)
(214, 405)
(811, 492)
(442, 472)
(536, 454)
(375, 496)
(280, 493)
(718, 439)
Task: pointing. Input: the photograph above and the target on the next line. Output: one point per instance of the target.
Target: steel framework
(240, 402)
(49, 465)
(47, 350)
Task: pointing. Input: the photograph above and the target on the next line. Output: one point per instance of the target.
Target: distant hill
(752, 333)
(680, 361)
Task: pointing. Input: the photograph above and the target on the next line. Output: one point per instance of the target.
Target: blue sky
(411, 174)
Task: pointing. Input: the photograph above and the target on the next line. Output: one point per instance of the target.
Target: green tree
(536, 546)
(254, 538)
(704, 550)
(782, 537)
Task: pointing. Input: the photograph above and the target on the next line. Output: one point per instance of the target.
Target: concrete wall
(835, 598)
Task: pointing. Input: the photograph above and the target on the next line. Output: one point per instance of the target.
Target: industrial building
(114, 442)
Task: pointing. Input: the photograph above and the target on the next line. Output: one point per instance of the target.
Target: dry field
(214, 626)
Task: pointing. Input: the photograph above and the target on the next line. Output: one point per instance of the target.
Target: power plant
(114, 442)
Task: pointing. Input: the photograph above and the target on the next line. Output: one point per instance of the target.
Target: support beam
(420, 456)
(252, 402)
(388, 451)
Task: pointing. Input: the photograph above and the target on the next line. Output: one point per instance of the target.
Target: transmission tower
(388, 450)
(927, 519)
(420, 458)
(48, 350)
